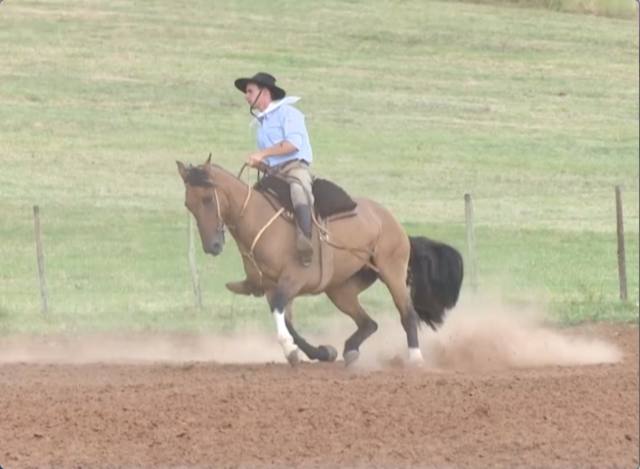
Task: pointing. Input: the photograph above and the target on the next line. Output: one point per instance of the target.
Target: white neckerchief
(273, 105)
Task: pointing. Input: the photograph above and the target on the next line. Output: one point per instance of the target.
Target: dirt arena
(466, 408)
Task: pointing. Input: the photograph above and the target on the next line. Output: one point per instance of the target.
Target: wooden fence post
(197, 294)
(471, 242)
(40, 259)
(622, 265)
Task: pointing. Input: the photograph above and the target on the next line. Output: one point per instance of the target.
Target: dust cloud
(477, 335)
(491, 337)
(242, 347)
(481, 334)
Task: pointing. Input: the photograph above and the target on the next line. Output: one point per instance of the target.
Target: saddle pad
(330, 199)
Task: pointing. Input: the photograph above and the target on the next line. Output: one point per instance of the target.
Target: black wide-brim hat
(262, 79)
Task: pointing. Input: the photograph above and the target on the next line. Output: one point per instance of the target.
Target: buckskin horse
(350, 254)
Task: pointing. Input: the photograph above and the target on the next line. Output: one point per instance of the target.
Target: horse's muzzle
(215, 245)
(214, 248)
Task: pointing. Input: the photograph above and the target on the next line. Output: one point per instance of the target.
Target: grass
(612, 8)
(532, 111)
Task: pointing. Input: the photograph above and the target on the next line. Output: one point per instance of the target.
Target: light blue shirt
(279, 122)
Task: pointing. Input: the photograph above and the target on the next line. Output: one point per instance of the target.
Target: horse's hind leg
(345, 297)
(324, 353)
(393, 272)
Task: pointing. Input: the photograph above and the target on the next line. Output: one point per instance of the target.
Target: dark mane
(198, 176)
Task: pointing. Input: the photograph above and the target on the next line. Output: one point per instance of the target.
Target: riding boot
(244, 287)
(303, 234)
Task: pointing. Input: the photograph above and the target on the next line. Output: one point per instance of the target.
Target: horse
(422, 276)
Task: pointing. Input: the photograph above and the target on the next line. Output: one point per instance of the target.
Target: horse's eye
(207, 200)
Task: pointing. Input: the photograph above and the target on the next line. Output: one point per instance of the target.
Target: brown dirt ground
(321, 415)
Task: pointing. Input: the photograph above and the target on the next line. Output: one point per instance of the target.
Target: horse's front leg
(324, 353)
(278, 299)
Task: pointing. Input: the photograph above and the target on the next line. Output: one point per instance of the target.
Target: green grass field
(533, 111)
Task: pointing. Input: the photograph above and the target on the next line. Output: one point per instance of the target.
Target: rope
(324, 237)
(249, 255)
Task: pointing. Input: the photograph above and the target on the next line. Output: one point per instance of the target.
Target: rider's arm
(293, 131)
(282, 148)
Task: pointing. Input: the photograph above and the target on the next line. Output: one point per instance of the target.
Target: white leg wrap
(284, 337)
(415, 356)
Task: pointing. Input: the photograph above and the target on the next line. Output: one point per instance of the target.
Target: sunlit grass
(532, 111)
(613, 8)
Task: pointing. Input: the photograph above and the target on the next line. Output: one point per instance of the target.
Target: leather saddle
(330, 199)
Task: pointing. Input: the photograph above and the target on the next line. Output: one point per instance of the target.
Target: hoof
(327, 353)
(415, 359)
(293, 358)
(350, 357)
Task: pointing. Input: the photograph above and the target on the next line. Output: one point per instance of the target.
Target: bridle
(220, 228)
(221, 223)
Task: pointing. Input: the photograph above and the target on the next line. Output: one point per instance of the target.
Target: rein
(244, 204)
(221, 223)
(250, 254)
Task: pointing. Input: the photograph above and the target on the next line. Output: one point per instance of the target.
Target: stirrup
(305, 250)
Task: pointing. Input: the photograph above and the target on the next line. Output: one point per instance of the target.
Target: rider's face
(252, 91)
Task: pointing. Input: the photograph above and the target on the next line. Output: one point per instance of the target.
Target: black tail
(435, 277)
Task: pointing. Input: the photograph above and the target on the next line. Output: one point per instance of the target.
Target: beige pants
(300, 179)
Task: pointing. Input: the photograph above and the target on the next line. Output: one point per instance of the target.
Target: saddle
(329, 198)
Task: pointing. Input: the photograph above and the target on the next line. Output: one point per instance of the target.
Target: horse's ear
(182, 170)
(208, 159)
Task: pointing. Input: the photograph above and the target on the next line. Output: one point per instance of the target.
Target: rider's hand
(255, 159)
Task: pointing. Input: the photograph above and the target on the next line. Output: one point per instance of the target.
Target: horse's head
(202, 200)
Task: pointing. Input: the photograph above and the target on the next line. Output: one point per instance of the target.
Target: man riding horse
(422, 276)
(284, 150)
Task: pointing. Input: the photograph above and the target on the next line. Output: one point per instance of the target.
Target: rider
(283, 149)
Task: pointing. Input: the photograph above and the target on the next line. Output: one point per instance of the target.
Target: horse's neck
(235, 192)
(247, 210)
